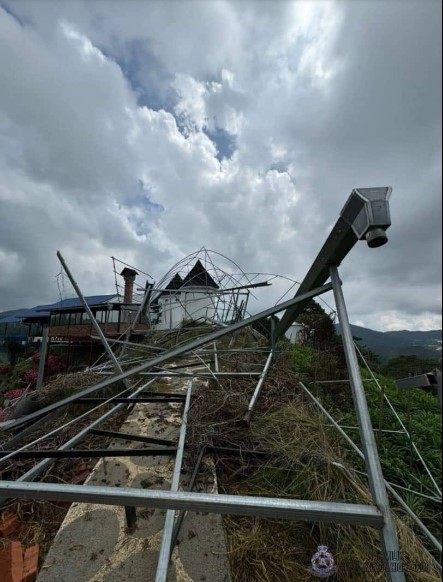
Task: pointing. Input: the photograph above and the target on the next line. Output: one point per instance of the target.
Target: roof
(24, 313)
(74, 302)
(198, 276)
(175, 283)
(42, 311)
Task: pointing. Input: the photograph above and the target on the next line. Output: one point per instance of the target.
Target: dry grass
(66, 385)
(308, 460)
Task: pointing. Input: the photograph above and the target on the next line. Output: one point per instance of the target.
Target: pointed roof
(175, 283)
(198, 276)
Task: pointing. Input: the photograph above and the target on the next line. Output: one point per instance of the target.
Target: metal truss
(365, 216)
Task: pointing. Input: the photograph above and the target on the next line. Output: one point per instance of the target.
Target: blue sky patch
(224, 142)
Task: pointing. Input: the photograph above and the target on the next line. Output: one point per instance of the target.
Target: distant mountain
(391, 344)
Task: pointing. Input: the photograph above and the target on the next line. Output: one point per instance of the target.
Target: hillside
(391, 344)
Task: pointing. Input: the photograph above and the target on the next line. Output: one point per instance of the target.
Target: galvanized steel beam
(267, 507)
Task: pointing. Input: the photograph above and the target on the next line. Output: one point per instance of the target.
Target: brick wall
(86, 330)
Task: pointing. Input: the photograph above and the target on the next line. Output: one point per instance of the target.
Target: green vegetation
(418, 410)
(307, 459)
(405, 366)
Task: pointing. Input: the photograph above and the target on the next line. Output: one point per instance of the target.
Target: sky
(145, 130)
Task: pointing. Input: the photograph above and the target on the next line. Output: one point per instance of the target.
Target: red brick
(5, 563)
(16, 562)
(30, 568)
(8, 524)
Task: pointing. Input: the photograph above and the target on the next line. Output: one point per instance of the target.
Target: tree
(319, 329)
(405, 366)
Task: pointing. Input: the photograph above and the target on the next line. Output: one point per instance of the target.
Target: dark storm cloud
(302, 102)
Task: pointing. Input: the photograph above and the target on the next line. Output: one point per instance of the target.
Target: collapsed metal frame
(365, 216)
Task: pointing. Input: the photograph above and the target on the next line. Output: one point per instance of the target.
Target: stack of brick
(16, 563)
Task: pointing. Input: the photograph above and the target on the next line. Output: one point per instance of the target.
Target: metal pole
(165, 550)
(170, 355)
(45, 463)
(402, 424)
(93, 320)
(366, 213)
(216, 366)
(182, 515)
(142, 306)
(285, 509)
(253, 402)
(42, 361)
(375, 474)
(348, 439)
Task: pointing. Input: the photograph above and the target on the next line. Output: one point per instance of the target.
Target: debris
(8, 524)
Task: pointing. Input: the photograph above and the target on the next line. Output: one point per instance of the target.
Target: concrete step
(93, 544)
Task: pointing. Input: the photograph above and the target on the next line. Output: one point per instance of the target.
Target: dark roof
(175, 283)
(198, 276)
(21, 314)
(74, 302)
(42, 311)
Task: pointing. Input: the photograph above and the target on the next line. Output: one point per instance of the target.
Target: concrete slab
(93, 544)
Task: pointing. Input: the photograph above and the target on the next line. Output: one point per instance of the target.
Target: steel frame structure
(365, 216)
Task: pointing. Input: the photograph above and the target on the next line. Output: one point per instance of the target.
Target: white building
(295, 333)
(193, 298)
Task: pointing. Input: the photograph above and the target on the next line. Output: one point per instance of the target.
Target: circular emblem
(322, 563)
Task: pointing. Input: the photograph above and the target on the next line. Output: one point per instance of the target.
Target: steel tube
(216, 366)
(376, 479)
(43, 465)
(93, 453)
(402, 424)
(267, 507)
(394, 493)
(340, 242)
(170, 355)
(165, 550)
(258, 388)
(179, 522)
(93, 320)
(42, 361)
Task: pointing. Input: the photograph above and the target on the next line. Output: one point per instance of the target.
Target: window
(101, 316)
(64, 319)
(76, 318)
(113, 316)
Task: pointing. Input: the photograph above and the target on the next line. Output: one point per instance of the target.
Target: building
(192, 298)
(67, 319)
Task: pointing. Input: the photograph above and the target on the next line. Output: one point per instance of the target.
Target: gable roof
(198, 276)
(175, 283)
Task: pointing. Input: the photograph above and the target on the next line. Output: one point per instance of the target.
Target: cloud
(147, 130)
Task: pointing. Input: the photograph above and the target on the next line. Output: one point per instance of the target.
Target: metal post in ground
(390, 546)
(42, 361)
(253, 402)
